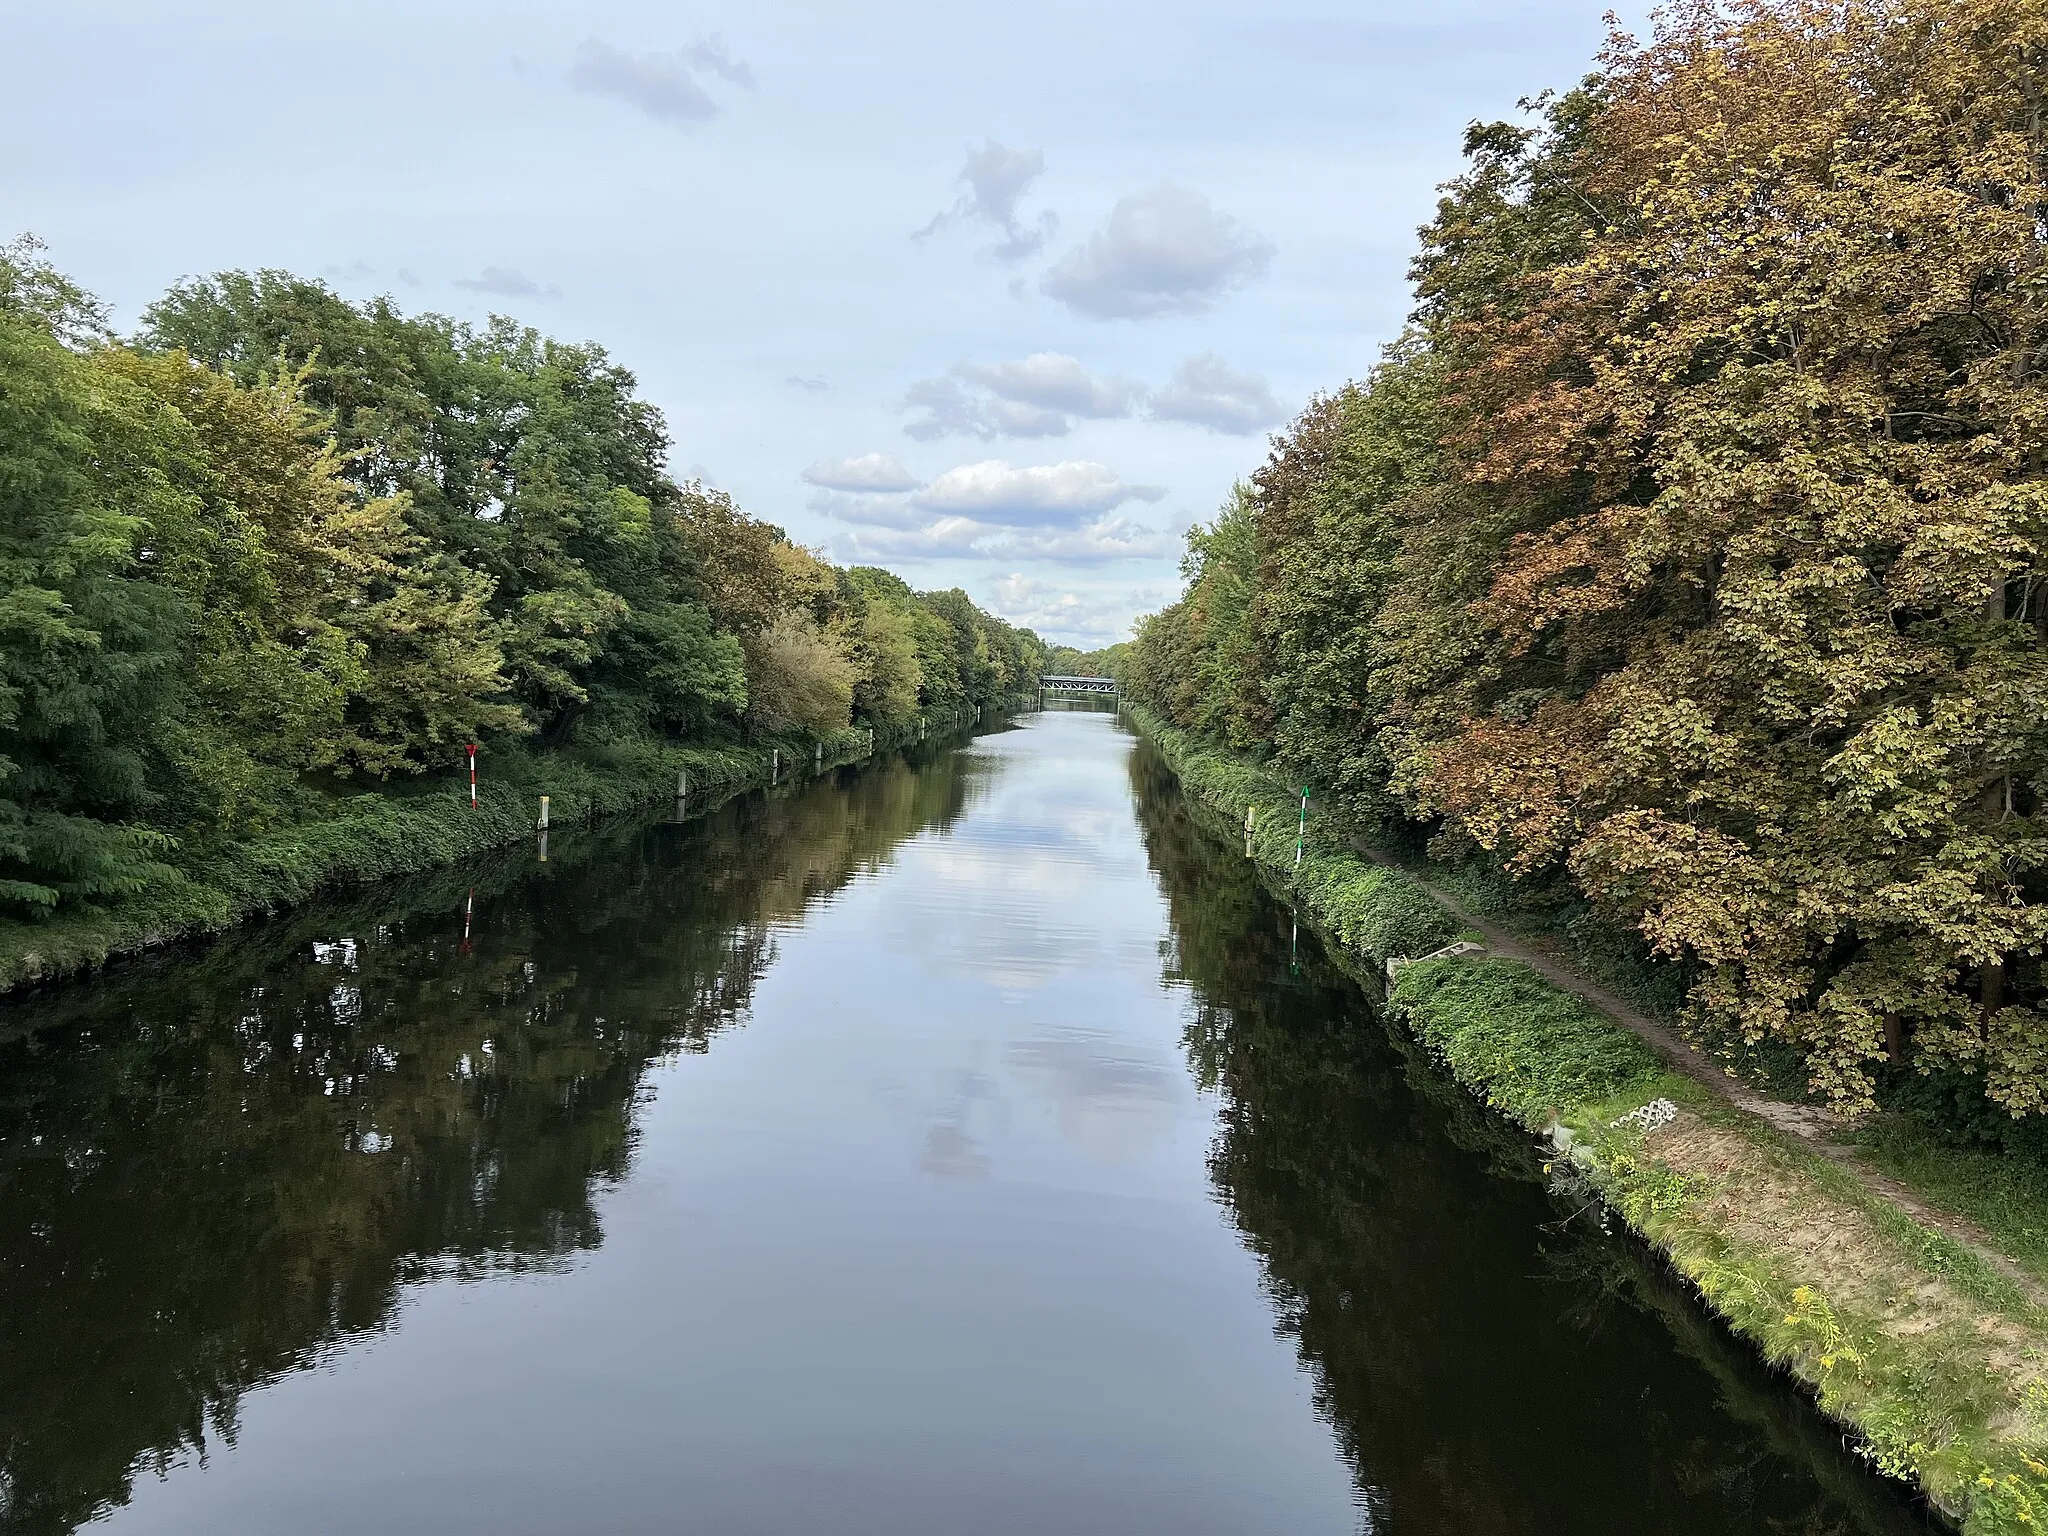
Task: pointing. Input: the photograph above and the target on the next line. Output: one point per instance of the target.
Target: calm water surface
(963, 1146)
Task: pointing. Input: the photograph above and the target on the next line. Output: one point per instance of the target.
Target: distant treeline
(278, 546)
(1688, 556)
(1065, 661)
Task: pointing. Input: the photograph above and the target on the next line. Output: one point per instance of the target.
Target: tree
(88, 645)
(1791, 381)
(1691, 550)
(797, 680)
(328, 636)
(877, 630)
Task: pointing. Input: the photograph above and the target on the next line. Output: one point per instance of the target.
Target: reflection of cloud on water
(951, 1149)
(1021, 897)
(1011, 917)
(951, 1152)
(1111, 1102)
(1034, 885)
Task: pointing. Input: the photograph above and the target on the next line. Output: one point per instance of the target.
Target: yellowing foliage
(1694, 549)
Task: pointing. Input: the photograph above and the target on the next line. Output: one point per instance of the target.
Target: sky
(1003, 297)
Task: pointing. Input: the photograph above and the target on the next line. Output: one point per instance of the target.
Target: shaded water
(966, 1145)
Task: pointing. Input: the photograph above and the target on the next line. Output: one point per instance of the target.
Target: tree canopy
(1690, 549)
(279, 544)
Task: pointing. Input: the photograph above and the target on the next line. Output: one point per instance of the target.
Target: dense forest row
(1687, 559)
(278, 547)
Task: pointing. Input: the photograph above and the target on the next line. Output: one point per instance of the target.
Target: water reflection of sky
(1035, 882)
(929, 1246)
(1032, 912)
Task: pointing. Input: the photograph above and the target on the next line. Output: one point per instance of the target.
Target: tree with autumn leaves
(1693, 547)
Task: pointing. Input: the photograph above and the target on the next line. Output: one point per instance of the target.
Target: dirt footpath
(1815, 1127)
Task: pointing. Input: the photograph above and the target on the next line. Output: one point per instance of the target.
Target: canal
(964, 1144)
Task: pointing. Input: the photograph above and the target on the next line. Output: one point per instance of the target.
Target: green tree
(89, 645)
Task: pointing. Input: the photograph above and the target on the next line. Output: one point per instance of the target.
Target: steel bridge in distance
(1092, 687)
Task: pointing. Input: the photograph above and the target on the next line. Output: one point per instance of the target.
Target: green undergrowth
(1530, 1050)
(1380, 912)
(407, 828)
(1937, 1358)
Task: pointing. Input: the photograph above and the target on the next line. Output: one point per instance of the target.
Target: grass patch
(1379, 912)
(1530, 1050)
(1932, 1355)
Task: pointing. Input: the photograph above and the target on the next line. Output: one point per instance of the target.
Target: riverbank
(1932, 1348)
(409, 828)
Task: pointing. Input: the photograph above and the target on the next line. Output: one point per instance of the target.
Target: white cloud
(1038, 396)
(1205, 392)
(992, 510)
(712, 56)
(1164, 251)
(951, 411)
(995, 491)
(1054, 382)
(924, 539)
(1060, 613)
(663, 85)
(815, 385)
(1015, 592)
(997, 179)
(1098, 542)
(1104, 539)
(508, 283)
(869, 472)
(869, 509)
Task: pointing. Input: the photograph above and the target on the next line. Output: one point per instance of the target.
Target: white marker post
(543, 813)
(472, 775)
(1301, 836)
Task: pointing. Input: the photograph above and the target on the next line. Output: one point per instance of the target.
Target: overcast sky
(998, 296)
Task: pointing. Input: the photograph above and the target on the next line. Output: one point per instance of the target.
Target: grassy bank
(1933, 1355)
(403, 829)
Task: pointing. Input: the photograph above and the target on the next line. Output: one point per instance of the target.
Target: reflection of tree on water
(1486, 1364)
(211, 1172)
